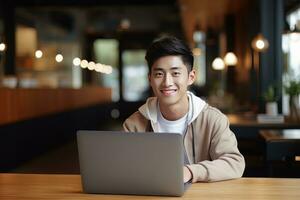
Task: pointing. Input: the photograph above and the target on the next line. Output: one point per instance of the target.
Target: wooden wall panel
(20, 104)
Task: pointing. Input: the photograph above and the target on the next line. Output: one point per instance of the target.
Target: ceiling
(209, 13)
(205, 13)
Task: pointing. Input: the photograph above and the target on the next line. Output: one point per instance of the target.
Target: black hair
(167, 46)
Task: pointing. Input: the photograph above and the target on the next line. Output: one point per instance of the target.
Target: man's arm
(135, 123)
(226, 160)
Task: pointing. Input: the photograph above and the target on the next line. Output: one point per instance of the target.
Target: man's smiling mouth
(168, 92)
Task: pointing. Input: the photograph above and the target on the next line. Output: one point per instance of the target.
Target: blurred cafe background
(67, 65)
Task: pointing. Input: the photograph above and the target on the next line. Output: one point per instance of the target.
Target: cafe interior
(68, 65)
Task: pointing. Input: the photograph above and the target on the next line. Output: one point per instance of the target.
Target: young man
(211, 152)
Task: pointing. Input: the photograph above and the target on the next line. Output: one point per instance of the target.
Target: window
(291, 44)
(291, 49)
(135, 72)
(106, 52)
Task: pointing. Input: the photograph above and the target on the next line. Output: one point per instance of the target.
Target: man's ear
(149, 79)
(192, 77)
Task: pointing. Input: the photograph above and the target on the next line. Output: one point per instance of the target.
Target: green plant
(269, 95)
(292, 88)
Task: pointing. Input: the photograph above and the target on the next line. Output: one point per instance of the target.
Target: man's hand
(186, 174)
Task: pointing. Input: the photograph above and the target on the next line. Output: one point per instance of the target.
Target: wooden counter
(237, 120)
(20, 104)
(33, 186)
(282, 152)
(248, 126)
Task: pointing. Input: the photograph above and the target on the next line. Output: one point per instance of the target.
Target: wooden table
(34, 186)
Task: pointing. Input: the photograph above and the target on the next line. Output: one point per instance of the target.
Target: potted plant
(292, 88)
(271, 101)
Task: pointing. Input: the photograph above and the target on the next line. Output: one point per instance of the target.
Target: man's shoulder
(211, 113)
(135, 122)
(136, 117)
(210, 110)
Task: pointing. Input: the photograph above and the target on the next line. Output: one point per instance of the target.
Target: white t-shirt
(167, 126)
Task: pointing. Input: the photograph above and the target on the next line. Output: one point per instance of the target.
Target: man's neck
(176, 111)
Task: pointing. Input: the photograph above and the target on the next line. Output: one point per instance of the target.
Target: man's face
(169, 79)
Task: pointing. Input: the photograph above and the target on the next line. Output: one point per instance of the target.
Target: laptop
(116, 162)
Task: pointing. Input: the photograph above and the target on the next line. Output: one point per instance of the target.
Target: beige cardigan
(216, 154)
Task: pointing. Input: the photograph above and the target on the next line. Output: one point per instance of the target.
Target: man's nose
(168, 80)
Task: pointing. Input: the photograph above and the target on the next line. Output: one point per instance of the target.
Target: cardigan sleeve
(136, 123)
(226, 160)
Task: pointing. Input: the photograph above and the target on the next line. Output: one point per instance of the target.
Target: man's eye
(176, 73)
(158, 74)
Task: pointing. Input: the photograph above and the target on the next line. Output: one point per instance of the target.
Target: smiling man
(211, 152)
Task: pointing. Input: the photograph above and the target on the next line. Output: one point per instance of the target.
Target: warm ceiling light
(99, 67)
(59, 58)
(76, 61)
(91, 65)
(109, 69)
(218, 64)
(260, 43)
(2, 47)
(84, 64)
(104, 69)
(230, 59)
(38, 53)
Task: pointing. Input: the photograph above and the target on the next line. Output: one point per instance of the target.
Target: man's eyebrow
(161, 69)
(176, 68)
(158, 69)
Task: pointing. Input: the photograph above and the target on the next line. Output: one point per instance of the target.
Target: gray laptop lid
(131, 163)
